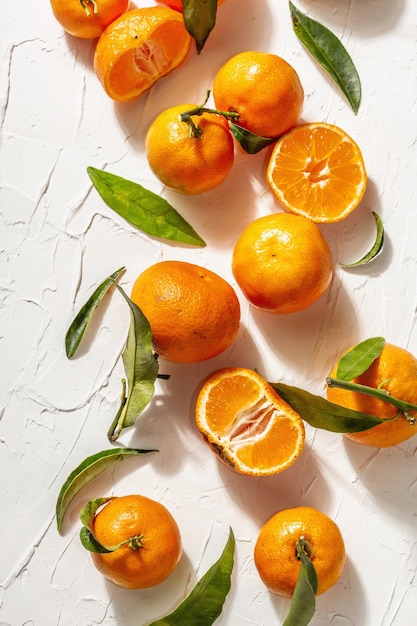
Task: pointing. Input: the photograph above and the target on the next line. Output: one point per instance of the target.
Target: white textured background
(58, 241)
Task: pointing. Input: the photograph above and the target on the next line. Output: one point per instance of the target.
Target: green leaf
(320, 413)
(142, 208)
(199, 19)
(92, 544)
(141, 368)
(205, 602)
(79, 325)
(303, 603)
(330, 53)
(250, 142)
(357, 360)
(376, 248)
(91, 467)
(88, 512)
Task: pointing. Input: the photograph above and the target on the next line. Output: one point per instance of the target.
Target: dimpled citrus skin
(194, 314)
(282, 263)
(263, 88)
(87, 22)
(139, 48)
(395, 370)
(190, 164)
(275, 549)
(247, 424)
(135, 516)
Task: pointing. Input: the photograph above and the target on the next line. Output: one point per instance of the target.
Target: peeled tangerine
(247, 424)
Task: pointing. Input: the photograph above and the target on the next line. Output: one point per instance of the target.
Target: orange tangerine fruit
(394, 371)
(193, 157)
(247, 424)
(282, 263)
(177, 4)
(153, 548)
(263, 89)
(316, 170)
(87, 19)
(275, 553)
(194, 314)
(138, 48)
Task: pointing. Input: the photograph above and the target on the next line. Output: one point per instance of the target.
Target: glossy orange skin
(194, 314)
(87, 22)
(137, 516)
(275, 549)
(282, 263)
(263, 88)
(186, 163)
(395, 370)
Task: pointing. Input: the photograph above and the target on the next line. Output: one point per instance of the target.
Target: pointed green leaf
(357, 360)
(250, 142)
(88, 512)
(79, 325)
(142, 208)
(92, 544)
(205, 602)
(199, 19)
(91, 467)
(321, 413)
(330, 53)
(376, 248)
(141, 368)
(303, 603)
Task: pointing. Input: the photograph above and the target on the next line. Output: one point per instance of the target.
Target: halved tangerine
(138, 48)
(316, 170)
(247, 424)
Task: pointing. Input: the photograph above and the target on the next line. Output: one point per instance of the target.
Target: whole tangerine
(194, 314)
(193, 156)
(282, 263)
(263, 89)
(87, 19)
(275, 552)
(153, 542)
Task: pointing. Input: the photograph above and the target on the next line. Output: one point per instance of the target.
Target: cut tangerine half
(317, 171)
(247, 424)
(138, 48)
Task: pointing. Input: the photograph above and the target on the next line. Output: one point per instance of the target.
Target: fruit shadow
(388, 475)
(168, 423)
(345, 599)
(305, 341)
(155, 602)
(302, 484)
(367, 18)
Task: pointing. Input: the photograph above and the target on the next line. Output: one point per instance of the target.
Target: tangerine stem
(84, 4)
(135, 542)
(195, 131)
(303, 547)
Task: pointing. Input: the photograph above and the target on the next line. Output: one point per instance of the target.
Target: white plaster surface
(58, 241)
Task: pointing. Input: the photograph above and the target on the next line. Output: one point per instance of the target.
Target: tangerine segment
(317, 170)
(247, 424)
(138, 48)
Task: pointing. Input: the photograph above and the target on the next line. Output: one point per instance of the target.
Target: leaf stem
(380, 394)
(303, 547)
(117, 424)
(195, 131)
